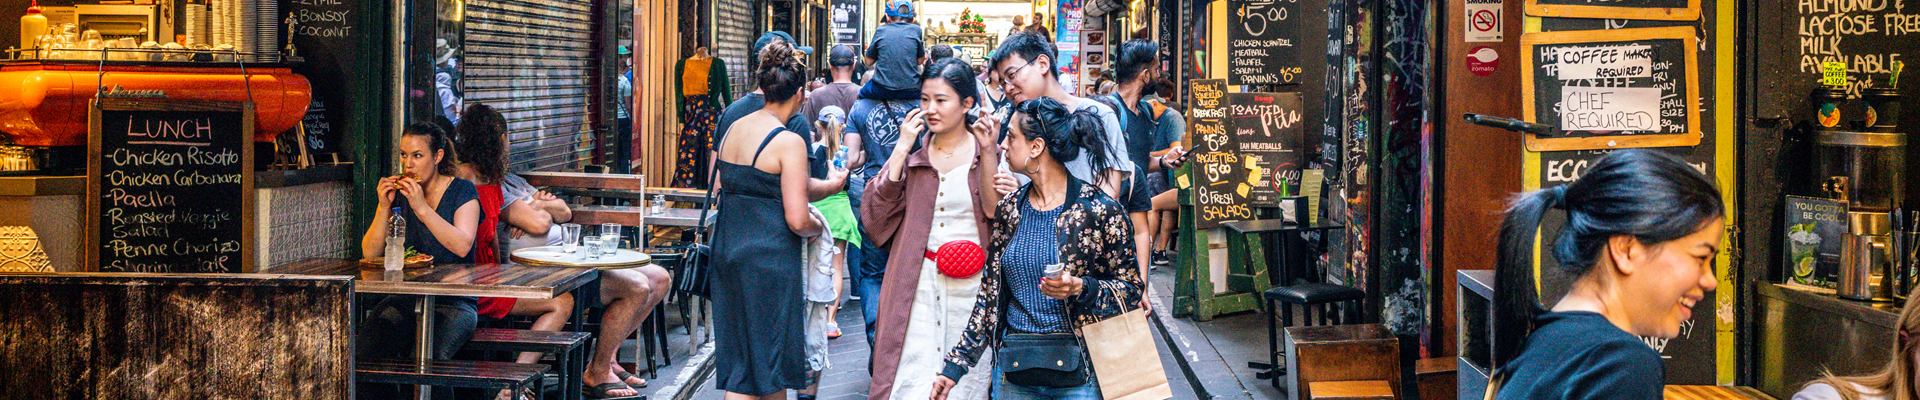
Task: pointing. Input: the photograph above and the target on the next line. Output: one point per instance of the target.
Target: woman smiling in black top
(1641, 234)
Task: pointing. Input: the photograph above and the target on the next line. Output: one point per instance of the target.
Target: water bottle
(840, 157)
(396, 252)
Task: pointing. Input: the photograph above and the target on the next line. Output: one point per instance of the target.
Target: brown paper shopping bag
(1125, 360)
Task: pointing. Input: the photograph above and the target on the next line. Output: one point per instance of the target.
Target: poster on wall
(1067, 27)
(1093, 60)
(1663, 10)
(845, 16)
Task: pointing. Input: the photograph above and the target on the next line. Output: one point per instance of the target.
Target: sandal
(605, 390)
(624, 376)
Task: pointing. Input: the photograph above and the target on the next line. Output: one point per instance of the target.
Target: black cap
(840, 55)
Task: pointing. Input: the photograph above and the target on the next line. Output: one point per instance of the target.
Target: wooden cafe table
(473, 280)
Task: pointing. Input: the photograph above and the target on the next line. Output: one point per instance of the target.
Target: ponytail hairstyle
(1649, 195)
(483, 141)
(437, 142)
(1068, 134)
(958, 74)
(780, 73)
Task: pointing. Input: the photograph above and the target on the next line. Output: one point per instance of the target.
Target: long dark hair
(437, 142)
(957, 74)
(483, 141)
(1069, 134)
(1649, 195)
(780, 73)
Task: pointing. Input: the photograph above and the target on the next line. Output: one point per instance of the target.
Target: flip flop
(624, 376)
(604, 390)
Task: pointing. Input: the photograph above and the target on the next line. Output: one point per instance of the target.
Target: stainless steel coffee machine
(1864, 169)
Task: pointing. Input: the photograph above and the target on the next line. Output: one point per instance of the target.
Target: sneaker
(1162, 257)
(853, 297)
(833, 330)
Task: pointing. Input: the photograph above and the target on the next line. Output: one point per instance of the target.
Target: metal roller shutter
(734, 35)
(533, 61)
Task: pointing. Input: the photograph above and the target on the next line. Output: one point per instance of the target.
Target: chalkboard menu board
(1218, 174)
(1668, 10)
(326, 38)
(170, 187)
(1261, 37)
(1267, 134)
(1611, 89)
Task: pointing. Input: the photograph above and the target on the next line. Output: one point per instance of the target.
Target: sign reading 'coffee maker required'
(169, 187)
(1611, 89)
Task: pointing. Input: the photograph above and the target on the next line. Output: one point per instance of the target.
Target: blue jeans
(1002, 390)
(868, 267)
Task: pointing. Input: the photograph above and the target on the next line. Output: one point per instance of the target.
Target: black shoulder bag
(697, 270)
(1054, 360)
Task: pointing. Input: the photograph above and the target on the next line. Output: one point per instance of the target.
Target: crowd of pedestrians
(976, 207)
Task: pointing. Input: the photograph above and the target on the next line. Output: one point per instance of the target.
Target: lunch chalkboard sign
(1666, 10)
(1611, 89)
(170, 187)
(1217, 175)
(1261, 37)
(1267, 134)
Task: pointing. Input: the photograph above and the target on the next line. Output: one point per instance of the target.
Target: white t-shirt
(514, 188)
(1823, 391)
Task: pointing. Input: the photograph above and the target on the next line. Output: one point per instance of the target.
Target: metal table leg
(423, 341)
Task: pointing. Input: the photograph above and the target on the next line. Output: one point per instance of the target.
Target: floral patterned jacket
(1096, 240)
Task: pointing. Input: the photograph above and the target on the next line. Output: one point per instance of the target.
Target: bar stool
(1312, 296)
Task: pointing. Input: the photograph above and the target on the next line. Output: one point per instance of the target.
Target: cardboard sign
(1611, 89)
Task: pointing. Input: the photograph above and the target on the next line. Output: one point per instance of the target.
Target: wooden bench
(568, 349)
(455, 373)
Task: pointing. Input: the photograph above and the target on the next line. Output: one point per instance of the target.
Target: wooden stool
(1351, 390)
(1341, 353)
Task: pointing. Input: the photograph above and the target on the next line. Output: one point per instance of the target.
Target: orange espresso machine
(43, 103)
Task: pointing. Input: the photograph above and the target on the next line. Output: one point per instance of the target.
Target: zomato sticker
(1483, 60)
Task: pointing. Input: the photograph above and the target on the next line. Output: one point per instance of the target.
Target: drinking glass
(571, 241)
(592, 250)
(610, 237)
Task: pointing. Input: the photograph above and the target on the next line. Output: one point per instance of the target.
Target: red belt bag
(959, 259)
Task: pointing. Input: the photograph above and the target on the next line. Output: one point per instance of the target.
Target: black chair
(1303, 289)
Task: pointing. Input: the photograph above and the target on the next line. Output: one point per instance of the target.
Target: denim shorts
(1005, 390)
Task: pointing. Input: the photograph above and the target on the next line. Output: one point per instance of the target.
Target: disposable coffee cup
(1055, 270)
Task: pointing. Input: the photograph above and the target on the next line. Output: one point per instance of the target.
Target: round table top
(552, 256)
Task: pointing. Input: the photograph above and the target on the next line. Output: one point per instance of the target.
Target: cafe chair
(1309, 294)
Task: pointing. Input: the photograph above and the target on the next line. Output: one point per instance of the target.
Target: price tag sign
(1833, 73)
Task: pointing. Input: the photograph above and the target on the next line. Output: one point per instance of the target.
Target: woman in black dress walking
(758, 316)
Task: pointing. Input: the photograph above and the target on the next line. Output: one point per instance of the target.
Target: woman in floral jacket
(1055, 219)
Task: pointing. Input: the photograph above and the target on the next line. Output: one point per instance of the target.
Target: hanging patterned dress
(704, 89)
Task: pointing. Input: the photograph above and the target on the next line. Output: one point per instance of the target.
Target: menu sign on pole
(170, 187)
(1260, 42)
(1217, 173)
(1267, 134)
(1611, 89)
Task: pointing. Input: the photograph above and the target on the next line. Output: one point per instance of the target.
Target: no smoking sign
(1483, 21)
